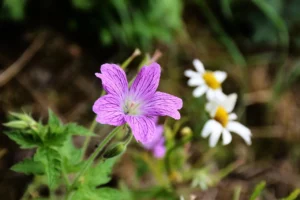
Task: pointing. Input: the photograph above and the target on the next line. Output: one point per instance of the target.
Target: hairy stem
(88, 138)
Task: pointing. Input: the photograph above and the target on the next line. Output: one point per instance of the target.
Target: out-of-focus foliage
(293, 195)
(260, 21)
(258, 190)
(12, 9)
(133, 22)
(123, 22)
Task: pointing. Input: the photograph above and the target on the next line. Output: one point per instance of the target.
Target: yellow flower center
(221, 116)
(211, 80)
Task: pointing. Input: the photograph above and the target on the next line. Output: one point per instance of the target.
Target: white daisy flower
(222, 122)
(206, 81)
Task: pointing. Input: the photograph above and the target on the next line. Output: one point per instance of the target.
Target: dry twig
(19, 64)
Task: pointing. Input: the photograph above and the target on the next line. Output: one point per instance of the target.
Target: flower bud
(16, 124)
(186, 131)
(23, 117)
(115, 150)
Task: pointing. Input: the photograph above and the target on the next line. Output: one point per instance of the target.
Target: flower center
(221, 116)
(211, 80)
(132, 108)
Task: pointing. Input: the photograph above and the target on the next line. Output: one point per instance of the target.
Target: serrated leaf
(53, 120)
(29, 166)
(71, 156)
(55, 136)
(26, 139)
(75, 129)
(51, 159)
(100, 174)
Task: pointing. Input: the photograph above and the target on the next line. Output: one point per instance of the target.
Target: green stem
(51, 194)
(69, 196)
(169, 152)
(237, 192)
(129, 138)
(95, 154)
(136, 53)
(65, 176)
(88, 138)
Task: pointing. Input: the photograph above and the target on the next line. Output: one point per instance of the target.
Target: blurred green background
(50, 49)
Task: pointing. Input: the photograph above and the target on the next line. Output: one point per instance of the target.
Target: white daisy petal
(195, 81)
(226, 136)
(211, 108)
(210, 94)
(241, 130)
(199, 91)
(215, 135)
(190, 73)
(219, 95)
(198, 65)
(220, 76)
(229, 102)
(208, 127)
(232, 116)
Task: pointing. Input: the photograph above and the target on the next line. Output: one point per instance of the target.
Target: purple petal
(114, 79)
(163, 104)
(108, 110)
(142, 127)
(159, 151)
(146, 82)
(159, 129)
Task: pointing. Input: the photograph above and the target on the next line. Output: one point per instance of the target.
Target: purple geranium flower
(157, 145)
(137, 105)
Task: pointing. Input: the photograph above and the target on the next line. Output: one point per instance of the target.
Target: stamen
(131, 108)
(221, 116)
(211, 80)
(131, 104)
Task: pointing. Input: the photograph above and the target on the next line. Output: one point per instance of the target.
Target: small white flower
(222, 122)
(206, 81)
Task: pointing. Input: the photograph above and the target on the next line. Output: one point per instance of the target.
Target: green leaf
(26, 139)
(13, 9)
(53, 120)
(100, 174)
(75, 129)
(57, 133)
(258, 190)
(51, 159)
(157, 193)
(29, 166)
(71, 156)
(85, 193)
(108, 194)
(55, 136)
